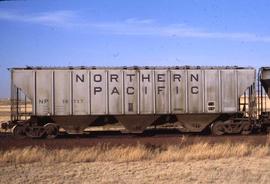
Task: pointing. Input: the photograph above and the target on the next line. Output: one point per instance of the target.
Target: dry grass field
(231, 170)
(106, 153)
(197, 163)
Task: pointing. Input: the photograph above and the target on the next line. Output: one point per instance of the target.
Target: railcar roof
(125, 67)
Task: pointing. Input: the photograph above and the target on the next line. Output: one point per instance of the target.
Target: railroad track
(115, 138)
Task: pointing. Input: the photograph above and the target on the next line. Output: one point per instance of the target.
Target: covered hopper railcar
(193, 98)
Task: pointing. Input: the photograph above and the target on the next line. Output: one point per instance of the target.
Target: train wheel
(18, 131)
(51, 130)
(217, 128)
(246, 128)
(34, 132)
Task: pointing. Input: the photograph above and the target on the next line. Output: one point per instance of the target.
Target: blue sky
(142, 32)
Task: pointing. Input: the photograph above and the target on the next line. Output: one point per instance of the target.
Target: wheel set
(231, 127)
(49, 130)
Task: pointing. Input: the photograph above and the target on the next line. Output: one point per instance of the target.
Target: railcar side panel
(24, 79)
(44, 93)
(131, 81)
(244, 78)
(162, 79)
(99, 92)
(146, 92)
(211, 88)
(195, 91)
(229, 90)
(81, 92)
(62, 92)
(115, 92)
(178, 91)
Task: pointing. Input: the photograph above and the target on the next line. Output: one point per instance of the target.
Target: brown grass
(105, 153)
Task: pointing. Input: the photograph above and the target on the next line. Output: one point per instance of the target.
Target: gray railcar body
(76, 98)
(109, 91)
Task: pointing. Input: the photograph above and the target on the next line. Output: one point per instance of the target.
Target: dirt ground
(230, 170)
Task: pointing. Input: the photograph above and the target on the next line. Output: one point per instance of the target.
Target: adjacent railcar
(263, 110)
(194, 98)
